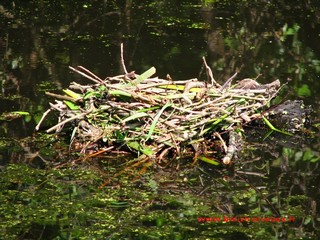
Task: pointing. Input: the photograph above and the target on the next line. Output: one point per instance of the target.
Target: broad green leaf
(144, 76)
(71, 105)
(120, 135)
(102, 88)
(134, 145)
(307, 155)
(138, 147)
(89, 94)
(304, 90)
(72, 94)
(147, 151)
(27, 118)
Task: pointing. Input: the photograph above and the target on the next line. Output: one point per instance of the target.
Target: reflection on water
(37, 43)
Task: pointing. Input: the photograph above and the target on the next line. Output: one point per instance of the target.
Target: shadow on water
(270, 192)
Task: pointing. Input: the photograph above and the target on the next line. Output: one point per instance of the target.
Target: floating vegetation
(156, 117)
(8, 116)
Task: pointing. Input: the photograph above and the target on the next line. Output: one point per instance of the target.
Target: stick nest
(148, 115)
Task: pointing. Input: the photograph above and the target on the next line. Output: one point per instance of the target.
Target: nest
(150, 116)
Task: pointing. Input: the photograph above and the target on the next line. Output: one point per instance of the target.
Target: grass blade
(209, 160)
(269, 124)
(134, 116)
(72, 94)
(156, 119)
(144, 76)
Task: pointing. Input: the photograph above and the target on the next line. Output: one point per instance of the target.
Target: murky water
(38, 41)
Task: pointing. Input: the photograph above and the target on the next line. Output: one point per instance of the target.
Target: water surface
(39, 40)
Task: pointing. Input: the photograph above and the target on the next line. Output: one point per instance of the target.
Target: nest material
(151, 115)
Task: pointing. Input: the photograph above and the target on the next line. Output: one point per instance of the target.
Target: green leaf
(273, 128)
(134, 145)
(135, 116)
(73, 134)
(89, 94)
(144, 76)
(154, 123)
(72, 94)
(102, 88)
(119, 93)
(20, 113)
(148, 109)
(304, 90)
(147, 151)
(71, 105)
(120, 135)
(307, 155)
(117, 204)
(209, 160)
(138, 147)
(27, 118)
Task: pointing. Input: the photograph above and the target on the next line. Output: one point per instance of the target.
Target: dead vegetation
(152, 117)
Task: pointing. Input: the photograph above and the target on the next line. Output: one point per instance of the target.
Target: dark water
(40, 39)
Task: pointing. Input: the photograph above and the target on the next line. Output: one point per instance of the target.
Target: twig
(224, 145)
(67, 120)
(228, 81)
(78, 86)
(60, 96)
(91, 73)
(85, 75)
(42, 118)
(59, 106)
(251, 173)
(209, 73)
(175, 143)
(122, 60)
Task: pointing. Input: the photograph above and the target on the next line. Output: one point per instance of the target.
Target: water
(38, 42)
